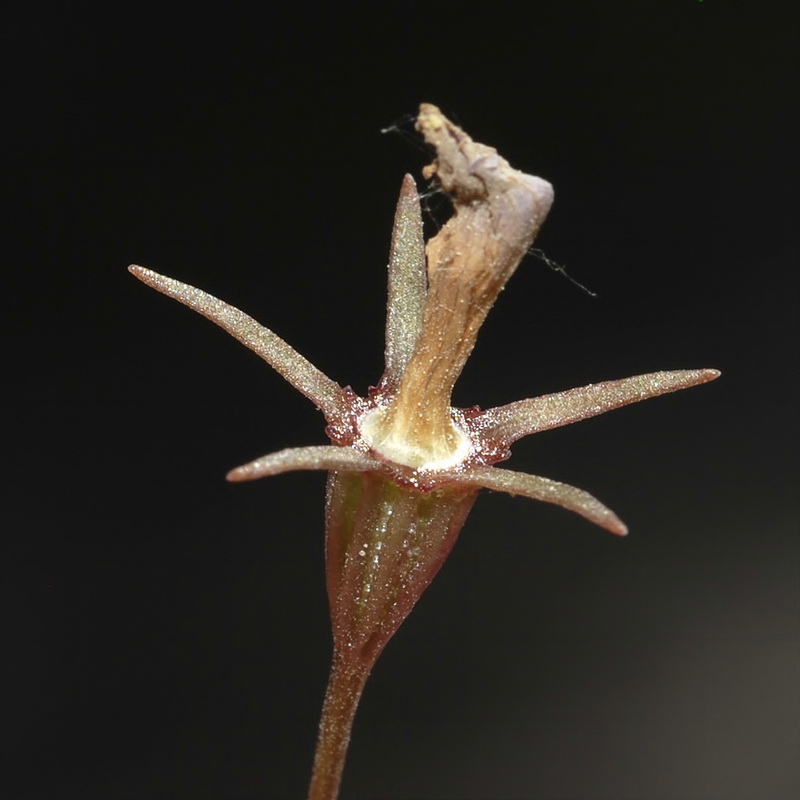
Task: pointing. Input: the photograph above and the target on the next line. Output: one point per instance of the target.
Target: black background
(165, 632)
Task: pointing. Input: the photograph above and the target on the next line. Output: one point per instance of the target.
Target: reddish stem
(345, 684)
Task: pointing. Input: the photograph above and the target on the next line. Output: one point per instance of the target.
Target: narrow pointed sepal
(325, 393)
(323, 457)
(407, 284)
(508, 423)
(546, 490)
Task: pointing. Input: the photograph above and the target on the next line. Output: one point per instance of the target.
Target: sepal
(506, 424)
(325, 393)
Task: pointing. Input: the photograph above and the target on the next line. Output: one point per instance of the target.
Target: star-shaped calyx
(406, 428)
(405, 466)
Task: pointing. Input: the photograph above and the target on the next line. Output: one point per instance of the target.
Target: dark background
(165, 633)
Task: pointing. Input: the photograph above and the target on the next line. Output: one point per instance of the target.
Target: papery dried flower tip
(497, 212)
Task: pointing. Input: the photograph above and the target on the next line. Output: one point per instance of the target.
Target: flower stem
(345, 684)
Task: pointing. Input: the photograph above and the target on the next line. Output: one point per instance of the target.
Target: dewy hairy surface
(438, 298)
(404, 467)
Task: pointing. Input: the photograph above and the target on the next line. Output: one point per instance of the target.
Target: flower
(406, 428)
(404, 466)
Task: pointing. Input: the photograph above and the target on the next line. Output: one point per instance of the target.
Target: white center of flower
(437, 452)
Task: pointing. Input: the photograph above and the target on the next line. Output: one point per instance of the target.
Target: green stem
(345, 684)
